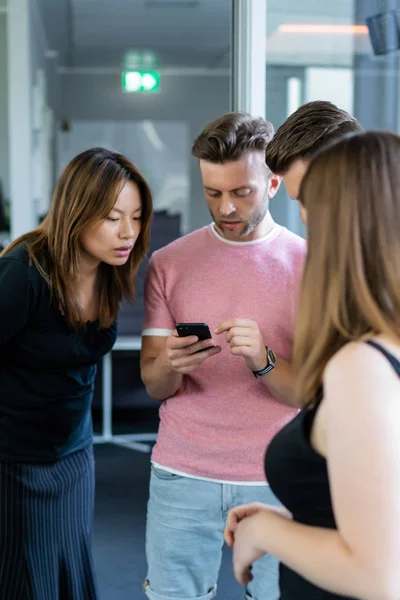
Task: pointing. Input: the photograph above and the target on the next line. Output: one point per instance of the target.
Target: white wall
(29, 142)
(19, 117)
(4, 176)
(45, 82)
(336, 85)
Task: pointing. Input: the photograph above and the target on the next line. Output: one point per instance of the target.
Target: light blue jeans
(184, 538)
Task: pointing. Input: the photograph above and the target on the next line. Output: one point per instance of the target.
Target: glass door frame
(248, 63)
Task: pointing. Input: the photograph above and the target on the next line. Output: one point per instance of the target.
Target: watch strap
(269, 366)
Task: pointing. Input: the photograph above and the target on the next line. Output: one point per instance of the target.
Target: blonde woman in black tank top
(336, 466)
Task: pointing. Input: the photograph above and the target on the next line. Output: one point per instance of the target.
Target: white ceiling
(190, 33)
(96, 33)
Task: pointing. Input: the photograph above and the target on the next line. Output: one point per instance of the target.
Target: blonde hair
(351, 283)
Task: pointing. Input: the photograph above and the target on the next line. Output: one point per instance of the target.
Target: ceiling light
(321, 29)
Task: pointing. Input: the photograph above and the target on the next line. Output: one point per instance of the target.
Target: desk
(134, 441)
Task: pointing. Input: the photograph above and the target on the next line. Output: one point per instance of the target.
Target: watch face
(271, 356)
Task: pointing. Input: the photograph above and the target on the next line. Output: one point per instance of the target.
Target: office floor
(122, 478)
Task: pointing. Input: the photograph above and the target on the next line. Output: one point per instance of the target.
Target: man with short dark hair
(220, 406)
(311, 128)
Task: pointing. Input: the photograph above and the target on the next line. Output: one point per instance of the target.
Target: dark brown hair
(84, 194)
(351, 283)
(306, 132)
(231, 136)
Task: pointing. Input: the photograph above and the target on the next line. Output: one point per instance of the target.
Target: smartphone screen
(201, 330)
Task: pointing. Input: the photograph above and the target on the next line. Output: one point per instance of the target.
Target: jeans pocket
(164, 475)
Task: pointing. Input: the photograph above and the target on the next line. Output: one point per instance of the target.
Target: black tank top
(298, 476)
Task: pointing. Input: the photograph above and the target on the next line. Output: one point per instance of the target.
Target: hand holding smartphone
(183, 355)
(200, 330)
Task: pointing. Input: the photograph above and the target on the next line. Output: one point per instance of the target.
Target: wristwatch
(271, 363)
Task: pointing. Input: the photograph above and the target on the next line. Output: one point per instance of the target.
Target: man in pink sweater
(221, 406)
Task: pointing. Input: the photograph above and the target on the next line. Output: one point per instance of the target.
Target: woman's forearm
(321, 556)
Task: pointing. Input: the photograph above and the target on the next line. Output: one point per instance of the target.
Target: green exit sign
(140, 81)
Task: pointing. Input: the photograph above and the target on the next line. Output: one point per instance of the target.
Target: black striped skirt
(46, 513)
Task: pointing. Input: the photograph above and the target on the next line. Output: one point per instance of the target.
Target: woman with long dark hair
(61, 286)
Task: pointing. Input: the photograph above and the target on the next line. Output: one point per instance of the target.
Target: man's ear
(273, 185)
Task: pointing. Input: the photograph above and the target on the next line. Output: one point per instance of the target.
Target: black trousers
(46, 513)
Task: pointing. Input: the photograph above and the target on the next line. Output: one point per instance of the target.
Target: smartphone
(200, 330)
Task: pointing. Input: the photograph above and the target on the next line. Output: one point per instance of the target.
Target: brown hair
(351, 283)
(85, 193)
(306, 132)
(231, 136)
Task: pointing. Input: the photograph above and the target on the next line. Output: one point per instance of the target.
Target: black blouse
(47, 370)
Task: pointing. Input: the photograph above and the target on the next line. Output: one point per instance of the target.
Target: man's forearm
(161, 383)
(280, 382)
